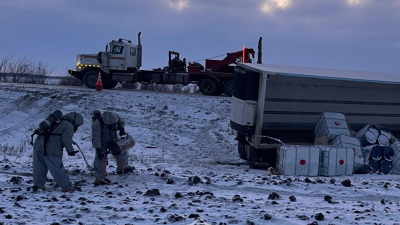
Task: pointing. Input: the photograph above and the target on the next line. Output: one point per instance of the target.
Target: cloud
(354, 2)
(272, 5)
(199, 27)
(178, 4)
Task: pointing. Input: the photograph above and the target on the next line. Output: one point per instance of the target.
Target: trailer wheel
(228, 87)
(90, 79)
(242, 150)
(208, 87)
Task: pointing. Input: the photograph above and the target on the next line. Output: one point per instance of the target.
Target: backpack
(47, 126)
(102, 124)
(112, 145)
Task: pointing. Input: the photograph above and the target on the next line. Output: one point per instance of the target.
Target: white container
(298, 160)
(368, 135)
(353, 143)
(126, 143)
(396, 159)
(331, 124)
(336, 161)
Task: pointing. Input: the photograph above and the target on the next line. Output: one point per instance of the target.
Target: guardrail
(26, 75)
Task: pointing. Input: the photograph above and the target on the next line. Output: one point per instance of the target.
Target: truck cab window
(117, 49)
(133, 51)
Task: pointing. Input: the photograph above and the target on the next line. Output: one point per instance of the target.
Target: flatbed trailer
(121, 62)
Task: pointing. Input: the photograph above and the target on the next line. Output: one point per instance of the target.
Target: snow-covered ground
(178, 137)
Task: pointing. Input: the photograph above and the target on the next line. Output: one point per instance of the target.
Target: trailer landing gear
(242, 150)
(261, 158)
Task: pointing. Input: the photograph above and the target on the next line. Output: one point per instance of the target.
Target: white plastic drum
(368, 135)
(383, 140)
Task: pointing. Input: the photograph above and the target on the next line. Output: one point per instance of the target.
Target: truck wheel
(228, 87)
(90, 79)
(242, 150)
(208, 87)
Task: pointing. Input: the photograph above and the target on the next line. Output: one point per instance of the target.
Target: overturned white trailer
(285, 102)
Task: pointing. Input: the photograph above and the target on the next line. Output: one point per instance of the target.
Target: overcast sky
(338, 34)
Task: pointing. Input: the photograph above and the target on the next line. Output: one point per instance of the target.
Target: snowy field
(178, 137)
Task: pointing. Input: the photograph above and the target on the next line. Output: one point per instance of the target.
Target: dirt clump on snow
(267, 216)
(273, 196)
(194, 180)
(319, 216)
(178, 195)
(152, 192)
(237, 198)
(302, 217)
(346, 183)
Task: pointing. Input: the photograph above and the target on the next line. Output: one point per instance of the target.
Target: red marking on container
(341, 162)
(302, 162)
(337, 123)
(354, 150)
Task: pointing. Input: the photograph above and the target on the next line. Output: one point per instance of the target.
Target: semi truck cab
(120, 55)
(119, 61)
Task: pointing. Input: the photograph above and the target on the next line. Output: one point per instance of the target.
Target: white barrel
(383, 140)
(367, 135)
(386, 132)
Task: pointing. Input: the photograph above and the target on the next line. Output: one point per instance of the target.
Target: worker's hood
(109, 118)
(75, 118)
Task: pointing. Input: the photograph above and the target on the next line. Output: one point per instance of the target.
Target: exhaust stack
(139, 53)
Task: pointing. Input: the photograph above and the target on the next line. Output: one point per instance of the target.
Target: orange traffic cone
(99, 84)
